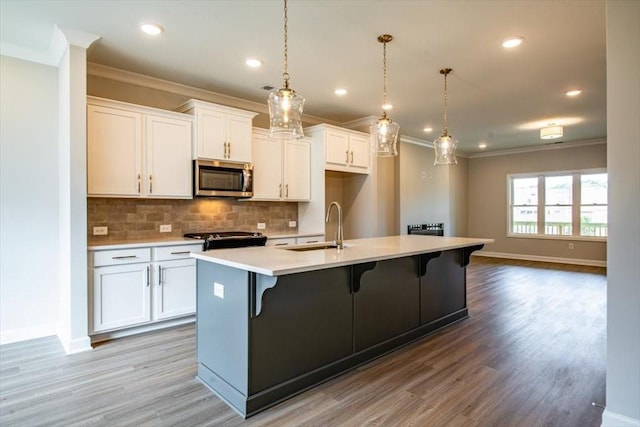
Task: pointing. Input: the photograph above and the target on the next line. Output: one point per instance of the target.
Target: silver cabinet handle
(138, 183)
(150, 184)
(229, 148)
(311, 241)
(279, 190)
(180, 253)
(159, 275)
(148, 275)
(281, 244)
(347, 159)
(124, 257)
(286, 193)
(351, 156)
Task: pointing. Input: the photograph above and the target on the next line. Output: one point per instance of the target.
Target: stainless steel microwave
(214, 178)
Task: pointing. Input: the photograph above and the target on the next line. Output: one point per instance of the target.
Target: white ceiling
(493, 93)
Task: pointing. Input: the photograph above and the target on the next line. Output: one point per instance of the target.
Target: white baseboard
(75, 345)
(24, 334)
(611, 419)
(104, 336)
(557, 260)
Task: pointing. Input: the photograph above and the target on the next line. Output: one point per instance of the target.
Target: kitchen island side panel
(222, 324)
(387, 302)
(443, 287)
(305, 323)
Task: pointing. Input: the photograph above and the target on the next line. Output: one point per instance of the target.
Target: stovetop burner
(229, 239)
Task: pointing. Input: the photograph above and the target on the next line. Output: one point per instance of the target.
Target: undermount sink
(312, 247)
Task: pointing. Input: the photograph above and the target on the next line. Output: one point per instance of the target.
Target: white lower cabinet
(121, 296)
(175, 288)
(133, 287)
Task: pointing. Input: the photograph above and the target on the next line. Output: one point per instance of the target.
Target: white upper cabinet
(114, 151)
(135, 151)
(345, 150)
(220, 133)
(168, 143)
(281, 168)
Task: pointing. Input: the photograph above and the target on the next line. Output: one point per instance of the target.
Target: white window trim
(576, 215)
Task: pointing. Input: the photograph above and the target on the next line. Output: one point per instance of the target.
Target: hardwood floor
(531, 354)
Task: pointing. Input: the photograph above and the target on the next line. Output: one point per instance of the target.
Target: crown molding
(99, 70)
(551, 146)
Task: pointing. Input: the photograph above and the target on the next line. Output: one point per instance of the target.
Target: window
(568, 204)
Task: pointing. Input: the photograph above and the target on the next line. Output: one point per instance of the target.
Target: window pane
(593, 189)
(557, 220)
(524, 220)
(558, 190)
(593, 221)
(525, 191)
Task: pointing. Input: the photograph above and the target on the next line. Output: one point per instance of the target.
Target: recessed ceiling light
(253, 62)
(387, 107)
(512, 42)
(574, 92)
(482, 145)
(340, 91)
(428, 130)
(151, 29)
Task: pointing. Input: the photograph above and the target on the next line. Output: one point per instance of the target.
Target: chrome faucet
(339, 233)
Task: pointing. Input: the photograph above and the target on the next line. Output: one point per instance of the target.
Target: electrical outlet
(100, 231)
(165, 228)
(262, 226)
(570, 245)
(292, 224)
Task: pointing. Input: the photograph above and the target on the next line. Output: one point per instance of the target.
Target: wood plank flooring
(531, 354)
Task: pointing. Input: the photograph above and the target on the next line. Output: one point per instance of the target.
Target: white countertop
(132, 244)
(274, 261)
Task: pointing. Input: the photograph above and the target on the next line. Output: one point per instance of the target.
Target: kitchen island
(273, 322)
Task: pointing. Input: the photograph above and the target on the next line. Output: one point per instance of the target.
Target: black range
(229, 239)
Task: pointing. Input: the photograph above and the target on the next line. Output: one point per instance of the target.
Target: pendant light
(285, 105)
(384, 132)
(445, 145)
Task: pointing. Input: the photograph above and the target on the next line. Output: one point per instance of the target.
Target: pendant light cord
(285, 75)
(445, 72)
(384, 74)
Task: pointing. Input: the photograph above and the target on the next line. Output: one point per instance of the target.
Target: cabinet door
(267, 167)
(175, 289)
(336, 148)
(297, 169)
(168, 144)
(114, 152)
(239, 138)
(359, 153)
(121, 296)
(210, 135)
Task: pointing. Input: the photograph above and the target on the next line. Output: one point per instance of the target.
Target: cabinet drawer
(121, 256)
(165, 253)
(310, 239)
(281, 242)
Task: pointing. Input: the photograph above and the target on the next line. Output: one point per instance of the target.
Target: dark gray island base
(262, 339)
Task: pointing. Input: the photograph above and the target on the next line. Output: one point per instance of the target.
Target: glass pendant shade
(445, 145)
(285, 112)
(445, 148)
(384, 137)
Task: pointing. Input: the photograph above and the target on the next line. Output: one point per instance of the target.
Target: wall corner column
(73, 328)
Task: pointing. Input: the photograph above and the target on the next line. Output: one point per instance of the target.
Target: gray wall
(28, 200)
(623, 278)
(429, 193)
(487, 187)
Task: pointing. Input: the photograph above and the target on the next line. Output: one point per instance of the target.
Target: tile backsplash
(131, 219)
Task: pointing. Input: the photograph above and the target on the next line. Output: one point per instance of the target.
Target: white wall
(28, 200)
(623, 253)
